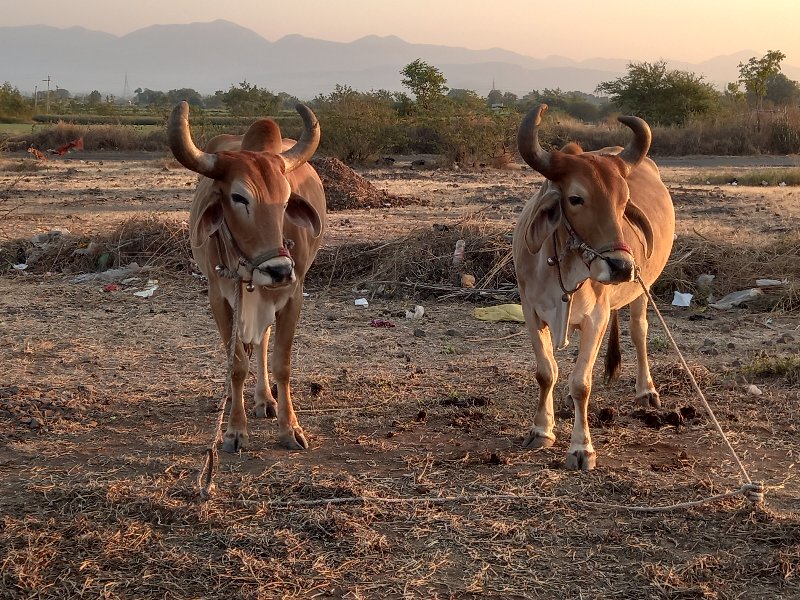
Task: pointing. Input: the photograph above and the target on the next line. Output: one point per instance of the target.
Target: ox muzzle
(271, 269)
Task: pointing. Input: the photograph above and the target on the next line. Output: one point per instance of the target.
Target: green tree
(356, 125)
(94, 99)
(426, 82)
(467, 98)
(150, 98)
(249, 100)
(12, 104)
(755, 73)
(659, 95)
(782, 91)
(191, 96)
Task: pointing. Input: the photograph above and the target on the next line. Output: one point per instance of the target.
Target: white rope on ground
(205, 479)
(753, 492)
(746, 490)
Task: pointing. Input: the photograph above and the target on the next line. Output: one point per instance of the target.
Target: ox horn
(637, 149)
(528, 141)
(308, 142)
(180, 142)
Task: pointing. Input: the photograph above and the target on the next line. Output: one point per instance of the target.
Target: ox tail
(613, 354)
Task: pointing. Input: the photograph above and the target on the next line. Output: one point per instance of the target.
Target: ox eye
(239, 199)
(575, 200)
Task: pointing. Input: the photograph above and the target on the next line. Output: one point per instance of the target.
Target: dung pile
(347, 190)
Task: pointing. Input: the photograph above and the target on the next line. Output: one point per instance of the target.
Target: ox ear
(544, 220)
(300, 212)
(639, 220)
(209, 221)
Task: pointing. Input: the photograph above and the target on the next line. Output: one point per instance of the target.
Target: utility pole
(47, 101)
(35, 96)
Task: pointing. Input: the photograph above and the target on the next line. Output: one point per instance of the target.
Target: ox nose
(279, 273)
(621, 269)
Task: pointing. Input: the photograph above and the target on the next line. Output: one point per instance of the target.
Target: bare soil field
(415, 484)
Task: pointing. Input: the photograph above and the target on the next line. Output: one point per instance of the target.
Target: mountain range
(216, 55)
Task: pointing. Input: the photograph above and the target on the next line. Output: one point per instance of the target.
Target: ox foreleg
(541, 434)
(581, 454)
(290, 434)
(235, 437)
(265, 402)
(646, 394)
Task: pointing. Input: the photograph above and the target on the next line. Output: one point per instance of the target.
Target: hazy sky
(690, 30)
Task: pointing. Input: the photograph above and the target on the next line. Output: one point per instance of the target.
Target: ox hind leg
(266, 406)
(541, 434)
(646, 394)
(290, 434)
(235, 437)
(581, 454)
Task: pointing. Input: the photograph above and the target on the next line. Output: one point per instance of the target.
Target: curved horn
(637, 148)
(308, 142)
(528, 141)
(180, 142)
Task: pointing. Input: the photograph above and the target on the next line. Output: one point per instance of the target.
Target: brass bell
(250, 287)
(565, 298)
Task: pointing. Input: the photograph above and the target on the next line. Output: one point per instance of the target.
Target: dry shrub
(735, 266)
(423, 257)
(98, 137)
(148, 241)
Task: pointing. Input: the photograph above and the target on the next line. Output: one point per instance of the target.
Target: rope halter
(247, 266)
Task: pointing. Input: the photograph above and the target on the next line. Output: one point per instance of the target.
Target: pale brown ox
(599, 219)
(256, 224)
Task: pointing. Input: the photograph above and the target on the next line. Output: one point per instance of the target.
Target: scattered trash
(129, 280)
(109, 275)
(501, 312)
(362, 302)
(458, 253)
(89, 249)
(764, 183)
(705, 279)
(148, 291)
(467, 280)
(20, 266)
(417, 313)
(736, 298)
(771, 282)
(782, 184)
(381, 323)
(110, 287)
(753, 390)
(682, 299)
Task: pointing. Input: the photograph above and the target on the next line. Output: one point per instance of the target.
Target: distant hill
(213, 56)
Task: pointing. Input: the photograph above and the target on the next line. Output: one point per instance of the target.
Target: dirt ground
(415, 484)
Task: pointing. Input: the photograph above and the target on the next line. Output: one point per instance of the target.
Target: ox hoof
(268, 410)
(293, 439)
(581, 460)
(648, 400)
(233, 441)
(538, 439)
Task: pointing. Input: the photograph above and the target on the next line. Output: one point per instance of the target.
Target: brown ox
(598, 220)
(255, 227)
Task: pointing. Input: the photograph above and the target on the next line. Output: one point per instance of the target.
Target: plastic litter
(148, 291)
(381, 323)
(20, 266)
(682, 299)
(109, 275)
(467, 280)
(110, 287)
(771, 282)
(458, 253)
(361, 302)
(705, 279)
(736, 298)
(417, 313)
(501, 312)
